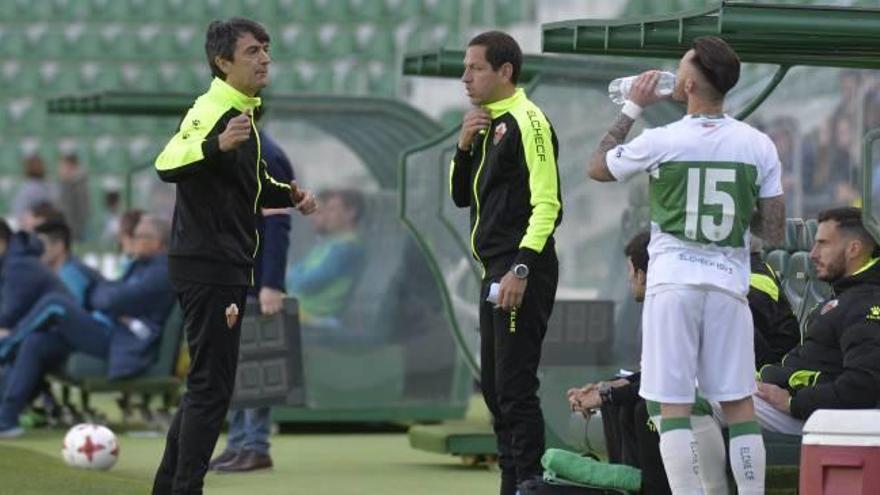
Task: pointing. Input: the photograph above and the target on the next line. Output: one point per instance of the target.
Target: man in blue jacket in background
(124, 327)
(78, 277)
(247, 446)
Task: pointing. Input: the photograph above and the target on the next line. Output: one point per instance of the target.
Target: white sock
(680, 459)
(747, 457)
(713, 456)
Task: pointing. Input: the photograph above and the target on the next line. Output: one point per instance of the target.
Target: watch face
(521, 271)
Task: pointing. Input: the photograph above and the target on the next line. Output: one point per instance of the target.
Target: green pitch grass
(338, 463)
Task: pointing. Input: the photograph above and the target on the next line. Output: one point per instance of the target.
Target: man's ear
(507, 71)
(222, 64)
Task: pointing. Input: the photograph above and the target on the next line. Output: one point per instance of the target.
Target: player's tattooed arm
(768, 223)
(597, 169)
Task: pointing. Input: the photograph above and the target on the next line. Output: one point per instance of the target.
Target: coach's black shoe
(531, 486)
(225, 457)
(246, 461)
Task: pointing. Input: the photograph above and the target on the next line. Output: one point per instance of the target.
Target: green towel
(569, 466)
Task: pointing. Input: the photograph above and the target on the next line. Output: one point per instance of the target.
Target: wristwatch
(520, 271)
(606, 393)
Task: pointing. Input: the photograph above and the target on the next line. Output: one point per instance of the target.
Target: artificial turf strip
(27, 472)
(343, 464)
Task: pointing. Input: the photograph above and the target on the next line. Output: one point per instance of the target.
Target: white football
(90, 446)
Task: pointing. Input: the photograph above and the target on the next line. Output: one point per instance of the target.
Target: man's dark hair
(849, 220)
(129, 220)
(56, 230)
(501, 49)
(71, 158)
(221, 37)
(637, 250)
(351, 198)
(47, 211)
(5, 231)
(718, 63)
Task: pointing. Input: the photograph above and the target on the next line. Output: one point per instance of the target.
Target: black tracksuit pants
(213, 348)
(510, 350)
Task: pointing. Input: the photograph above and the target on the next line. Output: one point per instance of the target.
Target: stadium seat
(508, 12)
(90, 374)
(443, 12)
(795, 281)
(331, 10)
(778, 260)
(811, 225)
(794, 234)
(54, 45)
(380, 45)
(13, 42)
(370, 10)
(337, 40)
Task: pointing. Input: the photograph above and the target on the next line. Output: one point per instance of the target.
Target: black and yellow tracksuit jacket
(776, 328)
(219, 194)
(838, 364)
(510, 180)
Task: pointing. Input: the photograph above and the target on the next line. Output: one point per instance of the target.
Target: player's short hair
(351, 198)
(501, 49)
(47, 211)
(57, 231)
(717, 61)
(5, 231)
(221, 37)
(637, 250)
(849, 220)
(129, 220)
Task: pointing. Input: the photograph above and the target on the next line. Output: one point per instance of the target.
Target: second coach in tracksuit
(505, 171)
(215, 160)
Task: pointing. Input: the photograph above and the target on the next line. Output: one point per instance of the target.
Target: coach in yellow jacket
(505, 171)
(222, 182)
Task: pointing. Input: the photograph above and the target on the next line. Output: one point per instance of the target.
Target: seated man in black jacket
(631, 437)
(838, 364)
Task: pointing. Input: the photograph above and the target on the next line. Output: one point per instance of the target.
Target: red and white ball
(90, 446)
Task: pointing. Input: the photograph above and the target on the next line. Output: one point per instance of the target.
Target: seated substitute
(838, 364)
(630, 435)
(325, 279)
(124, 327)
(79, 278)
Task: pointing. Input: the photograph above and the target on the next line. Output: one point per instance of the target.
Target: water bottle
(619, 88)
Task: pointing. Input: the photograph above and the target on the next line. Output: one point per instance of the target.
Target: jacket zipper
(259, 191)
(477, 200)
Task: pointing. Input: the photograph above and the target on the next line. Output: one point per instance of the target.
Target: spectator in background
(124, 328)
(39, 213)
(76, 276)
(23, 281)
(34, 190)
(112, 203)
(73, 195)
(324, 280)
(125, 237)
(247, 447)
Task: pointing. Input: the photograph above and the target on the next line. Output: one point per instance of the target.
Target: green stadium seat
(286, 79)
(795, 281)
(14, 42)
(340, 41)
(369, 10)
(301, 11)
(108, 10)
(444, 12)
(321, 81)
(811, 225)
(148, 10)
(54, 45)
(794, 233)
(355, 80)
(184, 10)
(778, 260)
(380, 45)
(90, 45)
(125, 45)
(300, 42)
(508, 12)
(479, 12)
(383, 84)
(331, 10)
(27, 10)
(10, 159)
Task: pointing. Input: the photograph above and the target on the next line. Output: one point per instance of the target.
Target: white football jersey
(706, 174)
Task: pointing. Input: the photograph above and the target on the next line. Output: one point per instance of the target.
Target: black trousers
(213, 348)
(632, 440)
(510, 351)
